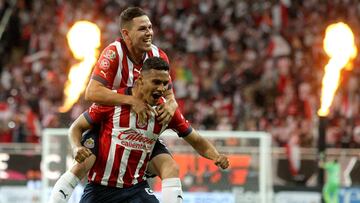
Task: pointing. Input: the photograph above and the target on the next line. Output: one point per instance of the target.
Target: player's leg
(327, 190)
(163, 165)
(65, 185)
(336, 195)
(334, 192)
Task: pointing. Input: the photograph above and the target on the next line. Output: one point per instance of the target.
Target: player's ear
(124, 33)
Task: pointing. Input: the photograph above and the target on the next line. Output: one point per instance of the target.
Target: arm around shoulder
(96, 92)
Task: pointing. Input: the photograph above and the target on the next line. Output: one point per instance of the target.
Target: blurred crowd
(249, 65)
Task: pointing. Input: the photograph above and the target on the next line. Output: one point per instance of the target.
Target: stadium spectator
(234, 54)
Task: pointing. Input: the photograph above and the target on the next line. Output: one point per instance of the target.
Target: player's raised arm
(206, 149)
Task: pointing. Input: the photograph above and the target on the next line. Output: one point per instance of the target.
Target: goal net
(248, 179)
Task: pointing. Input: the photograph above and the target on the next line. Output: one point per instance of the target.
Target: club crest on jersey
(140, 124)
(110, 54)
(104, 64)
(89, 143)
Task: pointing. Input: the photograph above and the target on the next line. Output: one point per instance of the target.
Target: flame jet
(84, 41)
(339, 45)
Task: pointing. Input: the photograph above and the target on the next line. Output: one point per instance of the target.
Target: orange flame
(84, 41)
(339, 45)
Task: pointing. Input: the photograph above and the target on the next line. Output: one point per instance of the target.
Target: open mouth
(156, 95)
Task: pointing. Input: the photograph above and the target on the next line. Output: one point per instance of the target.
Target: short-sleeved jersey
(125, 145)
(115, 70)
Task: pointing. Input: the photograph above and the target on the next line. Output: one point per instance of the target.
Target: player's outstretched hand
(222, 161)
(142, 109)
(81, 153)
(166, 112)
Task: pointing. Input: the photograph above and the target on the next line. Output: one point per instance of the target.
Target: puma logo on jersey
(141, 124)
(149, 191)
(103, 72)
(63, 193)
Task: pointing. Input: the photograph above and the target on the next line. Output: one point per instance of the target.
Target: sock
(64, 187)
(171, 190)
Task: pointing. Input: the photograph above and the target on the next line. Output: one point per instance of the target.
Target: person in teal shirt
(331, 187)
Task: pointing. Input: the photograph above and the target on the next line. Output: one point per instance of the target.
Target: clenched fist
(81, 153)
(222, 161)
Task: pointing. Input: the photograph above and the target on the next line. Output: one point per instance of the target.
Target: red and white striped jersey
(125, 145)
(115, 70)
